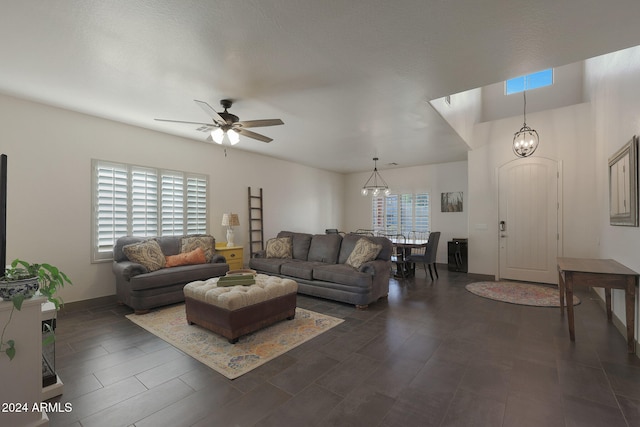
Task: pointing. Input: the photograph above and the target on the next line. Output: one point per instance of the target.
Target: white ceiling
(350, 79)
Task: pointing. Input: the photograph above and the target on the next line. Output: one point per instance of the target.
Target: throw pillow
(279, 247)
(205, 242)
(196, 256)
(364, 251)
(147, 253)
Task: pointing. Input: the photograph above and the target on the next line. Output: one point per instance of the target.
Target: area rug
(251, 351)
(519, 293)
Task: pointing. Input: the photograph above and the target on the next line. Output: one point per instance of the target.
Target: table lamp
(230, 220)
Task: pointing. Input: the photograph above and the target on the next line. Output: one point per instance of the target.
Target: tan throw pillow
(364, 251)
(196, 256)
(205, 242)
(279, 247)
(147, 253)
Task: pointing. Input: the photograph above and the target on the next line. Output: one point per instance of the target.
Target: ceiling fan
(225, 123)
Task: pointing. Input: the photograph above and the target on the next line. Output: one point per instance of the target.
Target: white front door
(529, 236)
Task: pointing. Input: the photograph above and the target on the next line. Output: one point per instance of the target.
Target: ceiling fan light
(217, 135)
(233, 136)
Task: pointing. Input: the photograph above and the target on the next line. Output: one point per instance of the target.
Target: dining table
(404, 248)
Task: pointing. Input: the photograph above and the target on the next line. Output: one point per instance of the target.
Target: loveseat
(152, 272)
(323, 265)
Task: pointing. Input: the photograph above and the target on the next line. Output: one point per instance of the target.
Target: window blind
(142, 201)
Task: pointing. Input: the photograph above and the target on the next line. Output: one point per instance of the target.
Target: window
(141, 201)
(530, 81)
(401, 213)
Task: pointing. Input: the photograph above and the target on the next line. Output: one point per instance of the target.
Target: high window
(530, 81)
(401, 213)
(142, 201)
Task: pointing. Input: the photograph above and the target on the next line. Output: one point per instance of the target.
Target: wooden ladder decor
(256, 234)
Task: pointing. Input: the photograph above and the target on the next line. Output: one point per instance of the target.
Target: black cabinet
(457, 251)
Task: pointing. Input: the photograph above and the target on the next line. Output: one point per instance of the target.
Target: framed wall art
(623, 185)
(451, 202)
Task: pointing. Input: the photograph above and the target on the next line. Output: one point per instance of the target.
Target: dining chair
(429, 257)
(397, 254)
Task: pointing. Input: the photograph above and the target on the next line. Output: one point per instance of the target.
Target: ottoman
(238, 310)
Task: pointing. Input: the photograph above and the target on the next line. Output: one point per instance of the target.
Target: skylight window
(530, 81)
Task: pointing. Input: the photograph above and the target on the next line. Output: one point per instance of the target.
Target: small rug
(519, 293)
(233, 360)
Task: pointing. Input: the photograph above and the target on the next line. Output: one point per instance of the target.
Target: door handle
(502, 226)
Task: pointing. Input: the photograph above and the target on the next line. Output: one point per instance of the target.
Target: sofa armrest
(128, 269)
(218, 259)
(375, 266)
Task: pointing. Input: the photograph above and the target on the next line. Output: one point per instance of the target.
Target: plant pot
(26, 287)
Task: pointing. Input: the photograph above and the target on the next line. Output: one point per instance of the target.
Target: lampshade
(219, 133)
(375, 183)
(525, 141)
(230, 220)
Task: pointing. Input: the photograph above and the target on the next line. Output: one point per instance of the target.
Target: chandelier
(375, 183)
(525, 141)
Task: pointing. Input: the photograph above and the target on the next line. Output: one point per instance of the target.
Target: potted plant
(21, 281)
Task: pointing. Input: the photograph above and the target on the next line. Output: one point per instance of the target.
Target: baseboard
(620, 326)
(89, 304)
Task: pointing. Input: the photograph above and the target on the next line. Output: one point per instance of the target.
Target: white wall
(612, 85)
(434, 179)
(566, 135)
(49, 188)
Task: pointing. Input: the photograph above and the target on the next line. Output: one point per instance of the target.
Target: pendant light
(378, 185)
(525, 141)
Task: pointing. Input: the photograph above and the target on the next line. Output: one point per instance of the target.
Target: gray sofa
(142, 290)
(318, 265)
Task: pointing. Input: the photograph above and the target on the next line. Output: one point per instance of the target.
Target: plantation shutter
(391, 224)
(421, 216)
(196, 205)
(144, 202)
(173, 206)
(401, 213)
(406, 214)
(378, 213)
(110, 205)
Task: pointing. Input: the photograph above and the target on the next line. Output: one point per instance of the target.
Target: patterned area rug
(519, 293)
(251, 351)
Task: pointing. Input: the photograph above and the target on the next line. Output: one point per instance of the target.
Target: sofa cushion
(342, 275)
(170, 245)
(300, 242)
(204, 241)
(346, 247)
(118, 253)
(364, 251)
(325, 248)
(300, 269)
(196, 256)
(279, 247)
(269, 265)
(147, 253)
(183, 274)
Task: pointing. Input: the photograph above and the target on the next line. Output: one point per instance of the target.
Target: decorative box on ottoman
(233, 311)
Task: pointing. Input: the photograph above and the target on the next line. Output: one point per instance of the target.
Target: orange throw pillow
(196, 256)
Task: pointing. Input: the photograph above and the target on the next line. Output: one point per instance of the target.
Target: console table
(602, 273)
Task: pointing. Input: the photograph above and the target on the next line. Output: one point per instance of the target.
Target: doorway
(529, 232)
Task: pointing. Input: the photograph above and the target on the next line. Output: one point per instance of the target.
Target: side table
(602, 273)
(233, 254)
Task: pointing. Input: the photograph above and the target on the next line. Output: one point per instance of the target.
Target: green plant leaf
(11, 349)
(17, 301)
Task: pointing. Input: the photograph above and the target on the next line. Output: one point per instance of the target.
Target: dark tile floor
(432, 354)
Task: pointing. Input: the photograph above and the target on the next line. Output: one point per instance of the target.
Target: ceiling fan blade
(260, 123)
(211, 112)
(189, 123)
(253, 135)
